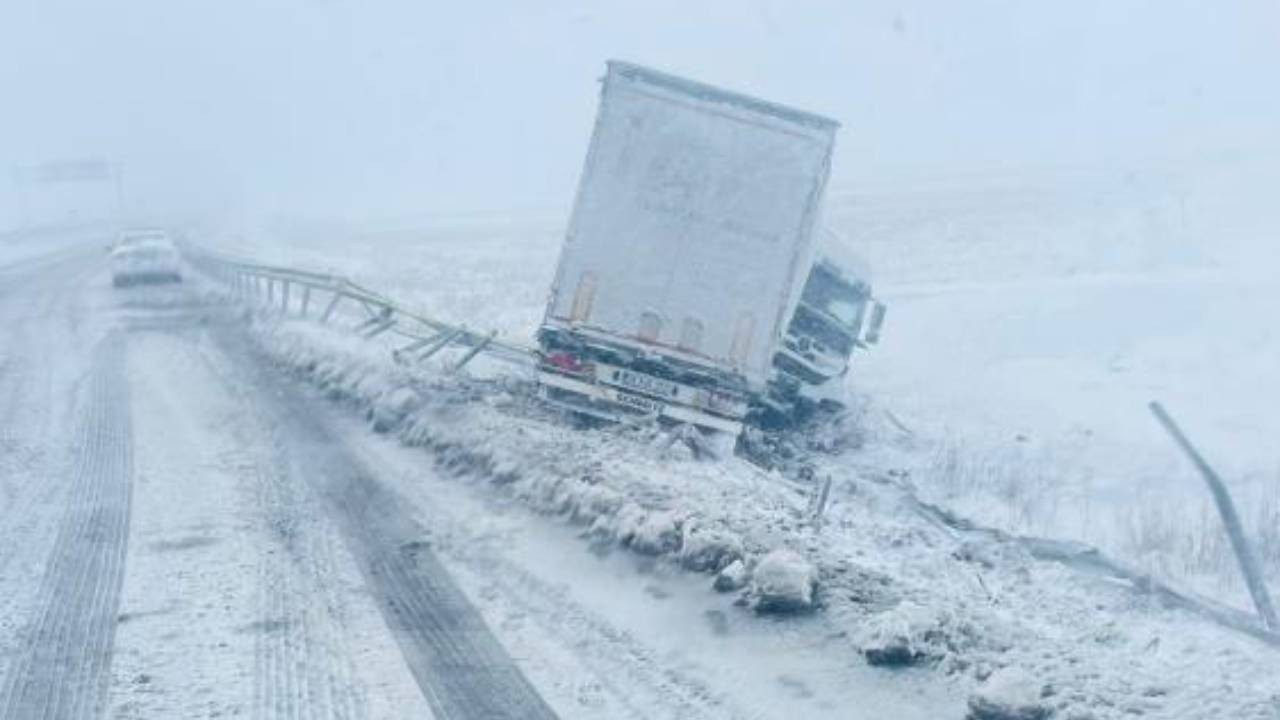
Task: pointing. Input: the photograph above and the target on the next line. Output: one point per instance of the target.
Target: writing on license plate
(644, 383)
(636, 402)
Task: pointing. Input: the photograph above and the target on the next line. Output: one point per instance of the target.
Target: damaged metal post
(328, 310)
(399, 353)
(1231, 520)
(376, 320)
(820, 507)
(381, 327)
(481, 345)
(441, 344)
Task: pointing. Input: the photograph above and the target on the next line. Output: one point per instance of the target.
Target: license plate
(639, 381)
(636, 402)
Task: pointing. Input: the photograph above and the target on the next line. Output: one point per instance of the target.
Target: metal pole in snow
(479, 346)
(328, 309)
(824, 493)
(444, 340)
(1227, 509)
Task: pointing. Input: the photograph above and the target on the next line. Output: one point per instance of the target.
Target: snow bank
(913, 633)
(391, 407)
(783, 582)
(657, 534)
(734, 577)
(466, 424)
(1009, 694)
(709, 549)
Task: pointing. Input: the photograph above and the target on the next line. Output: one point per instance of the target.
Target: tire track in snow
(302, 662)
(12, 379)
(62, 671)
(28, 300)
(460, 667)
(643, 683)
(35, 457)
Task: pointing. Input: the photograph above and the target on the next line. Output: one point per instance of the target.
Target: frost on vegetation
(592, 501)
(392, 408)
(708, 549)
(866, 588)
(1009, 694)
(734, 577)
(783, 582)
(657, 534)
(911, 634)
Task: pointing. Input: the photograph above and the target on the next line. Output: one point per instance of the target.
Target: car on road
(145, 256)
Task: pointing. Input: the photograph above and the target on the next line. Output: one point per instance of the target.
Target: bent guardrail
(294, 291)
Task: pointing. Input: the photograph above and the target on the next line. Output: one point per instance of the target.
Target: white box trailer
(690, 240)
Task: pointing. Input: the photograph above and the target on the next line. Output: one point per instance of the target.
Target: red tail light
(566, 361)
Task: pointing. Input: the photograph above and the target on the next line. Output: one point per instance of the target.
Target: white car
(149, 257)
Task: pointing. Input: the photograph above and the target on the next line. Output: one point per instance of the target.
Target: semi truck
(686, 289)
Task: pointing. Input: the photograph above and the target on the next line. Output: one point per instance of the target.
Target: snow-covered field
(1029, 326)
(19, 247)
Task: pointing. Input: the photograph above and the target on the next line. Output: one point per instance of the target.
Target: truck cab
(835, 316)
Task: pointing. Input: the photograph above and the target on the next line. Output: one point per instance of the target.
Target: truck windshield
(828, 293)
(818, 327)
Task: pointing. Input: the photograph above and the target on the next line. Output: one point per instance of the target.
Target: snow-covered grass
(1176, 536)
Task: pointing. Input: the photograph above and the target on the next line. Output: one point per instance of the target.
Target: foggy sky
(383, 107)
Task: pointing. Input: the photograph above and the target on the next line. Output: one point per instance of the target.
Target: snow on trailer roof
(715, 94)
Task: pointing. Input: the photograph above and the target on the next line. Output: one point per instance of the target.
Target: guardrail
(293, 291)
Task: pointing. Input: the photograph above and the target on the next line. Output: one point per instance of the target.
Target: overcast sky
(367, 108)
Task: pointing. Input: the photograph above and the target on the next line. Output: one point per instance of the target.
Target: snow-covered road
(186, 532)
(182, 542)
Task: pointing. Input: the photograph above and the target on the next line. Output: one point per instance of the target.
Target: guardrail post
(256, 285)
(1230, 520)
(380, 328)
(441, 344)
(328, 310)
(376, 319)
(399, 353)
(480, 346)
